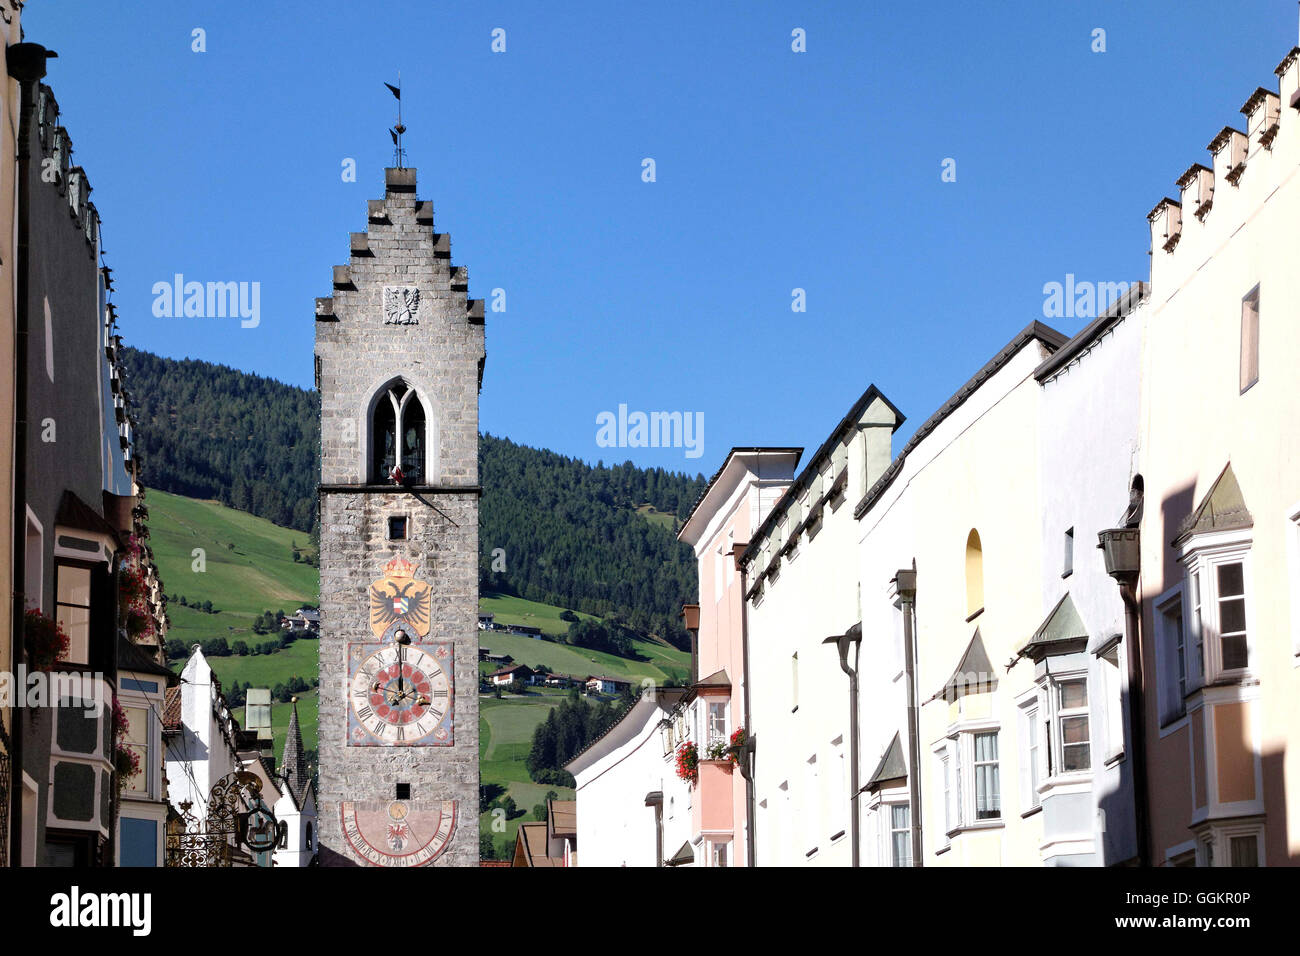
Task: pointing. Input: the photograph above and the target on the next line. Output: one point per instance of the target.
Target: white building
(802, 571)
(205, 746)
(1088, 460)
(632, 808)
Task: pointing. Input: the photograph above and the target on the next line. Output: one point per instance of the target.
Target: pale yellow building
(1221, 524)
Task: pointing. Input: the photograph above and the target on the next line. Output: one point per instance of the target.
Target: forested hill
(567, 533)
(213, 432)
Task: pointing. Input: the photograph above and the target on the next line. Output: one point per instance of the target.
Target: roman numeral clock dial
(400, 695)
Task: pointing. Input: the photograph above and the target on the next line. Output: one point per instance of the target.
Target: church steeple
(293, 764)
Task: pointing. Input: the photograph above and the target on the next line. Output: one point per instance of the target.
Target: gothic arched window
(399, 434)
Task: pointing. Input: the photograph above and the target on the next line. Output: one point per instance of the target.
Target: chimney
(1166, 224)
(1197, 185)
(1229, 149)
(1288, 74)
(1262, 111)
(877, 426)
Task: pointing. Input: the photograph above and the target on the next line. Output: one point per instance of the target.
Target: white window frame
(1171, 654)
(959, 748)
(1031, 750)
(1202, 558)
(1058, 713)
(892, 832)
(1214, 844)
(1110, 666)
(716, 706)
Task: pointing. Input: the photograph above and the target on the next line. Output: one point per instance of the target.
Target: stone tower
(399, 364)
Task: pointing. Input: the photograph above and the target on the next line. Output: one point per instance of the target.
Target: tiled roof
(171, 713)
(563, 816)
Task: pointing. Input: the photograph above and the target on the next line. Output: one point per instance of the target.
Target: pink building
(734, 503)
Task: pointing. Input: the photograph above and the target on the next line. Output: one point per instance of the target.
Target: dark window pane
(385, 438)
(1074, 730)
(1245, 851)
(1232, 616)
(1234, 652)
(1231, 580)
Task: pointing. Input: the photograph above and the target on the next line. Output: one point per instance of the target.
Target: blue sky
(775, 170)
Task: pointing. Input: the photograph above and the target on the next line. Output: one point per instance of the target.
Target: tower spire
(293, 764)
(399, 154)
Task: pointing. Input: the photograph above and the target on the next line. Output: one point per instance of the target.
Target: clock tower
(399, 364)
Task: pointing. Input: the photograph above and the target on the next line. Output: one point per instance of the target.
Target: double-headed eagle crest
(401, 305)
(398, 598)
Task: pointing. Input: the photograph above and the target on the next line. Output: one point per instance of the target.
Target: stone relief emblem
(401, 305)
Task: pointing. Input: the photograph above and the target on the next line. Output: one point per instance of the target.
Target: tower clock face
(400, 695)
(398, 834)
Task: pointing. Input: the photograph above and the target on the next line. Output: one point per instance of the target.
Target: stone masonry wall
(440, 355)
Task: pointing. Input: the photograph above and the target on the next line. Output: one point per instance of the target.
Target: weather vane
(399, 154)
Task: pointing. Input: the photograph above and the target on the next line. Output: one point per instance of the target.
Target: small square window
(397, 528)
(403, 791)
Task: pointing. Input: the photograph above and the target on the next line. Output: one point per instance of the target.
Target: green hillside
(661, 661)
(247, 567)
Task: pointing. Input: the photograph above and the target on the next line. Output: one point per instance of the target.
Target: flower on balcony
(688, 762)
(47, 642)
(737, 741)
(125, 760)
(717, 749)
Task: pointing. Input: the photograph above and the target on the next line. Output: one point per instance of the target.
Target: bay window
(72, 599)
(988, 792)
(1072, 725)
(1219, 615)
(970, 768)
(900, 834)
(717, 723)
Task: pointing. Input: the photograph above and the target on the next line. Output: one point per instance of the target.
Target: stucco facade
(802, 573)
(1220, 534)
(633, 809)
(720, 525)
